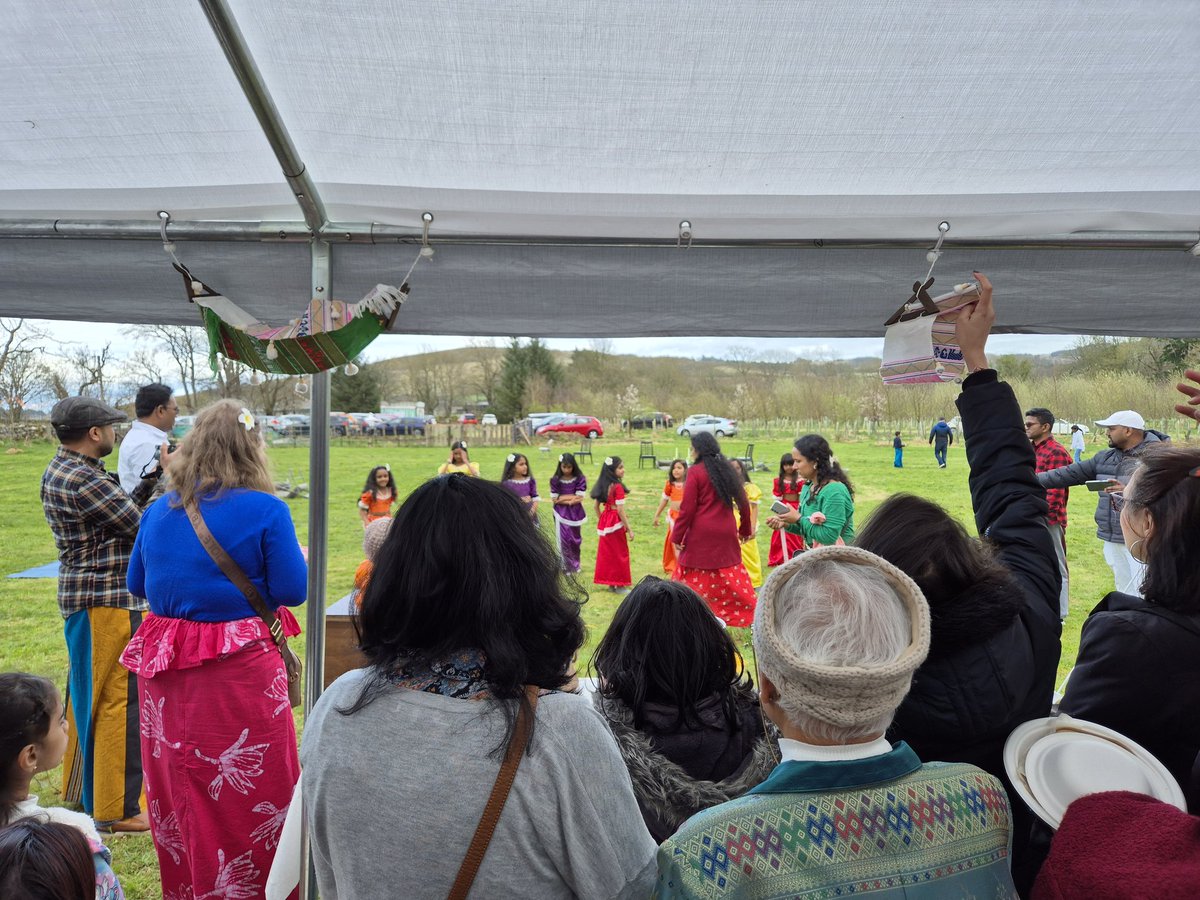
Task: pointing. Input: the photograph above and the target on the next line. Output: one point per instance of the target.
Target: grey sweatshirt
(393, 794)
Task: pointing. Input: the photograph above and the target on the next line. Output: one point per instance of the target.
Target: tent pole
(318, 540)
(375, 233)
(220, 17)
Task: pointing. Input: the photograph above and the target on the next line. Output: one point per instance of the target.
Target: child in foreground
(612, 526)
(378, 495)
(33, 739)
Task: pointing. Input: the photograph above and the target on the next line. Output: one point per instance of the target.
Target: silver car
(712, 424)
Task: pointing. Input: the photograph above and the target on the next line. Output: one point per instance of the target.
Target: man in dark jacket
(941, 436)
(1128, 439)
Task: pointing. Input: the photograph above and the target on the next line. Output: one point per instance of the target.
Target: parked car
(712, 424)
(296, 425)
(183, 424)
(390, 424)
(468, 419)
(588, 426)
(275, 424)
(341, 424)
(649, 420)
(543, 418)
(489, 419)
(698, 417)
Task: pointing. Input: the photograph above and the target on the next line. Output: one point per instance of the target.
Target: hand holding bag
(920, 343)
(233, 572)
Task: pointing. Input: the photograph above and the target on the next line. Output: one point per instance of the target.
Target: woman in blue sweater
(217, 736)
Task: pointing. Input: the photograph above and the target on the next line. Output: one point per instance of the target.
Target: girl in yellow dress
(750, 558)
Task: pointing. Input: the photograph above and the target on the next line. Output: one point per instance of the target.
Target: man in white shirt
(1077, 442)
(156, 410)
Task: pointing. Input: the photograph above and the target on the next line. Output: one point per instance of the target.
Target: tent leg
(318, 535)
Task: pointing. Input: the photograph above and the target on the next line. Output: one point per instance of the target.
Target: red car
(468, 419)
(588, 426)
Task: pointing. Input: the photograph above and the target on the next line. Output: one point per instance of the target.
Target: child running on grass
(33, 739)
(612, 552)
(568, 488)
(379, 493)
(518, 479)
(672, 497)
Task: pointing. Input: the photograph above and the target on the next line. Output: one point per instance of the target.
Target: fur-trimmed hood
(666, 793)
(982, 610)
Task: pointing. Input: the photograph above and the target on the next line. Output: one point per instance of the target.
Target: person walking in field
(898, 446)
(941, 435)
(1077, 442)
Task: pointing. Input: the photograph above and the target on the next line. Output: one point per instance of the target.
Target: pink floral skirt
(218, 750)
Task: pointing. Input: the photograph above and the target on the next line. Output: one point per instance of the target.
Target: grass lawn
(31, 628)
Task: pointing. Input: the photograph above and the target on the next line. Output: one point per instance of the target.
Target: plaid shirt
(94, 523)
(1053, 455)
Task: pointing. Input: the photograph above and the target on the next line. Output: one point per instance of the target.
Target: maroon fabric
(705, 526)
(1122, 846)
(1050, 454)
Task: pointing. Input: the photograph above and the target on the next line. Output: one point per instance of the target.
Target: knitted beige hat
(374, 536)
(844, 696)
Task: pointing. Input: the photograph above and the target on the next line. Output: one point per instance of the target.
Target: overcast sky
(387, 346)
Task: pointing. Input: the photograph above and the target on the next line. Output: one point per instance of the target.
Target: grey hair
(846, 615)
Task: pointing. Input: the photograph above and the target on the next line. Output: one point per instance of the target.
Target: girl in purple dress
(568, 491)
(518, 479)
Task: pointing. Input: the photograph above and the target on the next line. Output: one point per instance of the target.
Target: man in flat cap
(838, 633)
(94, 523)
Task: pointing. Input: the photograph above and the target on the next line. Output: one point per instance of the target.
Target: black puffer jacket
(1138, 672)
(676, 773)
(994, 650)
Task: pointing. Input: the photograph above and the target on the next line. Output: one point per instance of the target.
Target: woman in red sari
(706, 538)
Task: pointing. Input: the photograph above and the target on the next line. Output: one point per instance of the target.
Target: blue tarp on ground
(49, 570)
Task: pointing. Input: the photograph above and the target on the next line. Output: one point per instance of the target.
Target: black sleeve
(1101, 688)
(1009, 503)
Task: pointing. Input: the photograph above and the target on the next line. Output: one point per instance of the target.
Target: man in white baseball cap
(1128, 438)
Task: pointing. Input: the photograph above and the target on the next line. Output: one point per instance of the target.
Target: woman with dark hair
(994, 643)
(826, 511)
(42, 860)
(706, 537)
(1138, 669)
(680, 705)
(612, 526)
(568, 490)
(470, 630)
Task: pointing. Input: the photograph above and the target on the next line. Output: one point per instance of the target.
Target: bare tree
(268, 396)
(183, 343)
(22, 373)
(488, 359)
(89, 367)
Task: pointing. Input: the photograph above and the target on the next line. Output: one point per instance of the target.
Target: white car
(712, 424)
(488, 419)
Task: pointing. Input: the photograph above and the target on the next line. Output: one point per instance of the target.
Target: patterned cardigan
(884, 827)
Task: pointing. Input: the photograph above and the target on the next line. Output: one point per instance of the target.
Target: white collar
(146, 426)
(798, 751)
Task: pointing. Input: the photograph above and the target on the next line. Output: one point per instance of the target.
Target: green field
(31, 628)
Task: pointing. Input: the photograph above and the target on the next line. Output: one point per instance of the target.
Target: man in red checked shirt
(1050, 454)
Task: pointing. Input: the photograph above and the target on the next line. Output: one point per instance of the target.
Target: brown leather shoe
(133, 825)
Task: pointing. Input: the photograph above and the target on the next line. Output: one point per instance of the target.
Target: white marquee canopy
(812, 147)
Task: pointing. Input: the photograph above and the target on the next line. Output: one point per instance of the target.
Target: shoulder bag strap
(235, 574)
(495, 805)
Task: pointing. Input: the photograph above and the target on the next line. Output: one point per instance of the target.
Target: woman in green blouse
(826, 513)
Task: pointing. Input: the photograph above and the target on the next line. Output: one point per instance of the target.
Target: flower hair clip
(387, 468)
(462, 444)
(608, 460)
(512, 457)
(246, 418)
(560, 456)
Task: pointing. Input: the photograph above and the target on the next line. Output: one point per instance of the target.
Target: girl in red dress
(787, 490)
(379, 493)
(706, 538)
(672, 497)
(612, 550)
